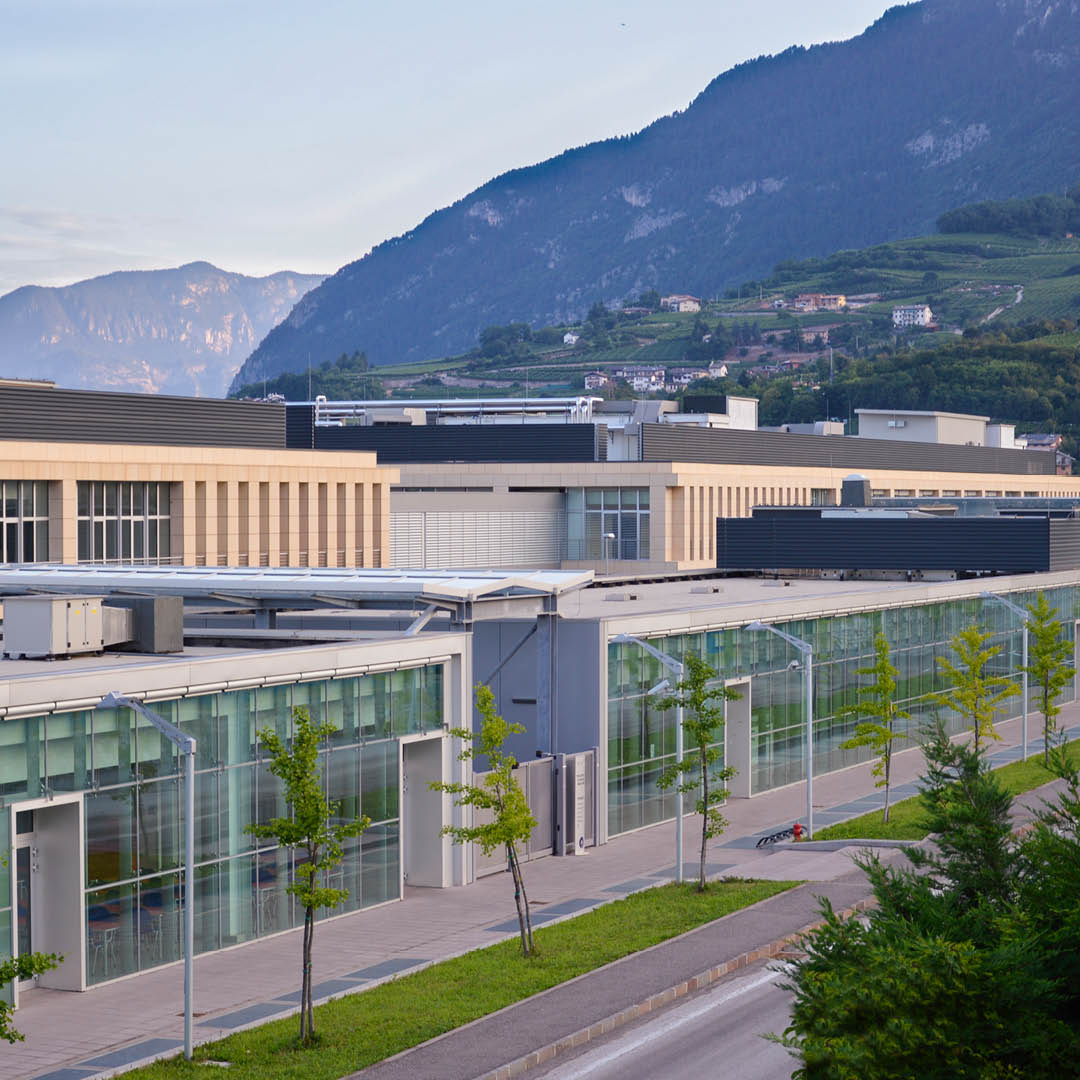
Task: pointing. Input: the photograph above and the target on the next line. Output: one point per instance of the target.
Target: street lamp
(186, 745)
(807, 651)
(679, 670)
(608, 537)
(1016, 609)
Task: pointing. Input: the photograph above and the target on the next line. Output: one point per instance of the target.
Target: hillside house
(681, 302)
(907, 315)
(678, 378)
(819, 302)
(644, 380)
(811, 333)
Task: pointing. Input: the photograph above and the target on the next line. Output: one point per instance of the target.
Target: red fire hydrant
(796, 831)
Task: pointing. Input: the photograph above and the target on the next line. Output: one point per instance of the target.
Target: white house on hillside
(912, 315)
(681, 302)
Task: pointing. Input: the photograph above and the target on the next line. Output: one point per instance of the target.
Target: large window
(132, 778)
(640, 740)
(607, 523)
(124, 522)
(24, 521)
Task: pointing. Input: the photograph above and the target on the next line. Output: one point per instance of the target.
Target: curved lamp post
(807, 651)
(186, 745)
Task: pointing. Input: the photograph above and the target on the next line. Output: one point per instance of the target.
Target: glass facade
(607, 523)
(24, 521)
(126, 522)
(133, 808)
(640, 741)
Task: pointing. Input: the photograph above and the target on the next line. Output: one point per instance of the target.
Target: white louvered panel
(441, 539)
(407, 539)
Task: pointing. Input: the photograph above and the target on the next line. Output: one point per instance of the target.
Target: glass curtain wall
(24, 521)
(641, 737)
(639, 741)
(134, 808)
(125, 522)
(607, 523)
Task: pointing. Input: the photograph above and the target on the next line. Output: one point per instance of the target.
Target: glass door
(26, 867)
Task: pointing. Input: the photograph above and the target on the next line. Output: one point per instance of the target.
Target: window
(607, 523)
(24, 521)
(124, 522)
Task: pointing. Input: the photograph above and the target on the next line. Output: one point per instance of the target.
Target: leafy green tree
(973, 863)
(1048, 665)
(703, 719)
(310, 828)
(967, 966)
(877, 714)
(497, 797)
(974, 694)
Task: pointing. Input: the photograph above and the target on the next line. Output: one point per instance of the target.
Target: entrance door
(48, 889)
(423, 848)
(26, 869)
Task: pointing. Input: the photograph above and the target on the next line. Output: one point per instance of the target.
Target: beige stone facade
(687, 498)
(227, 506)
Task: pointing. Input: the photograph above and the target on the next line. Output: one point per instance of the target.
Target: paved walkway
(78, 1036)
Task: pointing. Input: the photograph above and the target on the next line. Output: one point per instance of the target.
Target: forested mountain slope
(837, 146)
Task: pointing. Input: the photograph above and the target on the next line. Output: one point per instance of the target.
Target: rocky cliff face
(182, 331)
(842, 145)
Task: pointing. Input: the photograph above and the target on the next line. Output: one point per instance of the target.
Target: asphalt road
(715, 1032)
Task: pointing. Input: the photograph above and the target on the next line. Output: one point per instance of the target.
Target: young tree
(703, 716)
(974, 694)
(878, 714)
(498, 796)
(1048, 665)
(310, 830)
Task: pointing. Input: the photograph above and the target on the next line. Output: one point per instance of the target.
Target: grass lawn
(905, 817)
(360, 1029)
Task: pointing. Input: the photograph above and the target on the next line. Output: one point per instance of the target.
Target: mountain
(835, 146)
(182, 331)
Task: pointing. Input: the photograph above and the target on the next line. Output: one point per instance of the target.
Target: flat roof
(923, 412)
(37, 686)
(289, 583)
(666, 607)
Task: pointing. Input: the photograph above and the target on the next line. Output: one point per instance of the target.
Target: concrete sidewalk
(109, 1028)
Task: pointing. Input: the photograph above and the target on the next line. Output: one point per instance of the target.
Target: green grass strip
(906, 816)
(355, 1031)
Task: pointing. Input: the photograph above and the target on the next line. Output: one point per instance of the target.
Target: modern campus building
(91, 798)
(132, 478)
(272, 529)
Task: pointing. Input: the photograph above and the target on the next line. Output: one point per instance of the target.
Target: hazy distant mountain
(840, 145)
(182, 331)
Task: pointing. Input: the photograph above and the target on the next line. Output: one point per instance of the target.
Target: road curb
(544, 1054)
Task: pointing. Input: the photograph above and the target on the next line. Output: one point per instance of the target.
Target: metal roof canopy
(466, 594)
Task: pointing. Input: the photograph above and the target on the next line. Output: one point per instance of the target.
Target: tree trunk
(887, 760)
(305, 982)
(521, 901)
(704, 818)
(1046, 726)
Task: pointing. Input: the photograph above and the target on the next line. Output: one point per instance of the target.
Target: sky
(262, 136)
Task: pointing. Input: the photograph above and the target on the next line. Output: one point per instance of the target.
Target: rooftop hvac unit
(48, 626)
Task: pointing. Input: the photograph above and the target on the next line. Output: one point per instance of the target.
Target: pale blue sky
(262, 135)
